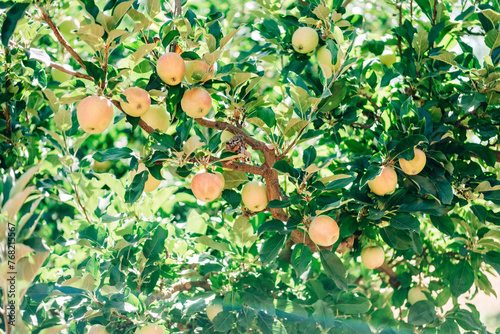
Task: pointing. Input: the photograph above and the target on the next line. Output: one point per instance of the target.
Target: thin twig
(73, 73)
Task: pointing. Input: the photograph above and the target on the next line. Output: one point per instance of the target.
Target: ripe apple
(68, 26)
(94, 114)
(138, 101)
(324, 230)
(206, 186)
(384, 183)
(254, 196)
(97, 329)
(415, 294)
(197, 70)
(171, 68)
(157, 118)
(415, 165)
(150, 329)
(213, 310)
(196, 102)
(373, 257)
(305, 39)
(388, 58)
(60, 76)
(151, 183)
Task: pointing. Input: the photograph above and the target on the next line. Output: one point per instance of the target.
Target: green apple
(213, 310)
(305, 39)
(60, 76)
(373, 257)
(254, 196)
(157, 118)
(388, 58)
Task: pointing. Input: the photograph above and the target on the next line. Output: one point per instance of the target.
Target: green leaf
(309, 156)
(156, 245)
(483, 152)
(134, 190)
(493, 259)
(232, 197)
(234, 178)
(278, 204)
(242, 233)
(284, 167)
(461, 278)
(353, 303)
(224, 321)
(95, 234)
(301, 258)
(114, 153)
(405, 221)
(13, 15)
(271, 248)
(90, 7)
(208, 241)
(323, 315)
(270, 29)
(443, 224)
(334, 268)
(93, 267)
(421, 313)
(265, 323)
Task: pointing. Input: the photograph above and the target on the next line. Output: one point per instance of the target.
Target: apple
(97, 329)
(388, 58)
(415, 294)
(324, 56)
(305, 39)
(254, 196)
(60, 76)
(94, 114)
(225, 136)
(327, 71)
(171, 68)
(151, 183)
(101, 166)
(197, 70)
(324, 231)
(415, 165)
(196, 102)
(373, 257)
(138, 101)
(213, 310)
(68, 26)
(384, 183)
(157, 118)
(206, 186)
(221, 178)
(150, 329)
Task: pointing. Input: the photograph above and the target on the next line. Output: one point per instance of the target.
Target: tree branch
(73, 73)
(60, 38)
(142, 124)
(393, 277)
(239, 166)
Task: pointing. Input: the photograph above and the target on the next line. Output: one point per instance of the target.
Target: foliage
(92, 248)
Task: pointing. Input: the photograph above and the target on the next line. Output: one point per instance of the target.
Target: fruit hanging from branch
(94, 114)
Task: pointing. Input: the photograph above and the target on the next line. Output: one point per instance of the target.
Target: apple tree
(248, 167)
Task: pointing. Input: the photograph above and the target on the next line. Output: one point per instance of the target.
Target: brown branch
(178, 8)
(142, 124)
(60, 38)
(362, 126)
(400, 21)
(105, 66)
(239, 166)
(292, 144)
(73, 73)
(393, 277)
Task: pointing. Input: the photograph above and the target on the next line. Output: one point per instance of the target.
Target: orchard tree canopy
(306, 166)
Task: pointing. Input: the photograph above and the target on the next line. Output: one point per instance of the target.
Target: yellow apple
(171, 68)
(305, 39)
(60, 76)
(327, 71)
(254, 196)
(415, 165)
(206, 186)
(138, 101)
(384, 183)
(388, 58)
(324, 231)
(213, 310)
(415, 294)
(373, 257)
(68, 26)
(157, 118)
(150, 329)
(196, 102)
(97, 329)
(101, 166)
(324, 56)
(197, 70)
(94, 114)
(151, 183)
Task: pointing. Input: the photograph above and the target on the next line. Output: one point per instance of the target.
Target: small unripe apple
(324, 56)
(415, 294)
(415, 165)
(254, 196)
(171, 68)
(101, 166)
(197, 70)
(94, 114)
(324, 231)
(213, 310)
(305, 39)
(225, 136)
(373, 257)
(151, 183)
(150, 329)
(196, 102)
(97, 329)
(60, 76)
(206, 186)
(157, 118)
(68, 26)
(388, 58)
(138, 101)
(384, 183)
